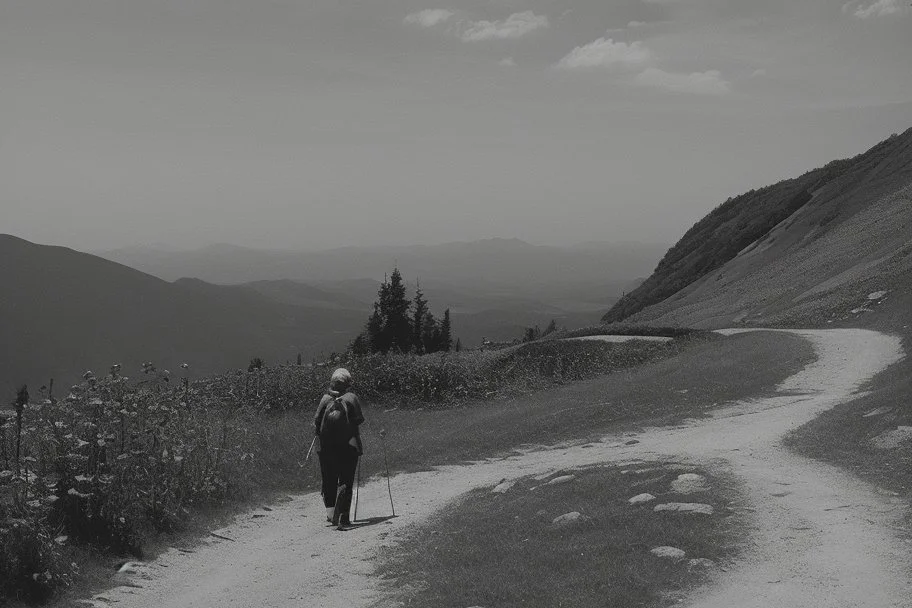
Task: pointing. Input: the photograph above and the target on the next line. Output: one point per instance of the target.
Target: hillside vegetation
(825, 198)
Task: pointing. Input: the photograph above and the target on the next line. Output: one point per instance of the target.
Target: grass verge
(847, 435)
(493, 549)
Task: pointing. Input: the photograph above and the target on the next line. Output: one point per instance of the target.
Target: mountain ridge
(810, 206)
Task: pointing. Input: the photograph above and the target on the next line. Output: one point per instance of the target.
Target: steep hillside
(62, 312)
(762, 225)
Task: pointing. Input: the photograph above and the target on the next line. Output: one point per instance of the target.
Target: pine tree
(376, 338)
(458, 347)
(389, 327)
(552, 327)
(397, 322)
(445, 341)
(420, 309)
(360, 346)
(429, 333)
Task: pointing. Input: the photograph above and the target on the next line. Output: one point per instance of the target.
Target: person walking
(336, 424)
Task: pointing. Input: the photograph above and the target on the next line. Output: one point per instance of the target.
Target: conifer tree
(445, 341)
(429, 333)
(420, 309)
(397, 322)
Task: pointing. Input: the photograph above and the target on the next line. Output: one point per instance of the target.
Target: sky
(304, 124)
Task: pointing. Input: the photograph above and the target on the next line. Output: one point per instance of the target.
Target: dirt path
(821, 537)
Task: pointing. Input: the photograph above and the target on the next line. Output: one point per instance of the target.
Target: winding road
(820, 537)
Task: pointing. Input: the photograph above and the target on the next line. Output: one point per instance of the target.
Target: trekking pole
(313, 441)
(357, 486)
(386, 464)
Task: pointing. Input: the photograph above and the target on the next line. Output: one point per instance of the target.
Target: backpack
(335, 427)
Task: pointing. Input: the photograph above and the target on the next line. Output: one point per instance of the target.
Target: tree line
(398, 324)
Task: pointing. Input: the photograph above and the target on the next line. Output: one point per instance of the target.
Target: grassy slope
(839, 190)
(842, 435)
(526, 561)
(711, 372)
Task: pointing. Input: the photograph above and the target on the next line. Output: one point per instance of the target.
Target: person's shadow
(368, 521)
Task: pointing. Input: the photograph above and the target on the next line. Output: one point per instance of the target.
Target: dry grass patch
(503, 549)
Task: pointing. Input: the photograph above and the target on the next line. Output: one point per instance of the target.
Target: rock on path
(641, 498)
(685, 507)
(668, 552)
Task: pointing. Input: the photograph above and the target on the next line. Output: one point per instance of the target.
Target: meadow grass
(502, 549)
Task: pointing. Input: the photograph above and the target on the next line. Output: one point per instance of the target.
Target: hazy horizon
(328, 123)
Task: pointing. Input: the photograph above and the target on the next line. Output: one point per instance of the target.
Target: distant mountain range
(63, 311)
(808, 250)
(494, 264)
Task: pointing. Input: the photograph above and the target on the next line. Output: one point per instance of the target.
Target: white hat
(341, 377)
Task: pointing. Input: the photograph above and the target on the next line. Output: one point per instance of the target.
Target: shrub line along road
(820, 537)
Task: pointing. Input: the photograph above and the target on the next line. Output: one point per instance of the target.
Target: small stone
(632, 442)
(876, 295)
(130, 568)
(562, 479)
(685, 507)
(689, 483)
(641, 498)
(503, 487)
(700, 563)
(668, 552)
(880, 411)
(566, 519)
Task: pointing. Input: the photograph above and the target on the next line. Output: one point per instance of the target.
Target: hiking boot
(337, 513)
(329, 514)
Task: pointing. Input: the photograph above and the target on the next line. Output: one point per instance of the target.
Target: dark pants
(337, 466)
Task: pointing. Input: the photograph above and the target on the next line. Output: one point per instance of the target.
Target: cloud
(880, 8)
(636, 24)
(507, 62)
(514, 26)
(759, 72)
(428, 17)
(606, 53)
(709, 82)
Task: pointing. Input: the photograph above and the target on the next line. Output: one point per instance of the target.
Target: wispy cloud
(514, 26)
(637, 24)
(507, 62)
(606, 53)
(709, 82)
(428, 17)
(880, 8)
